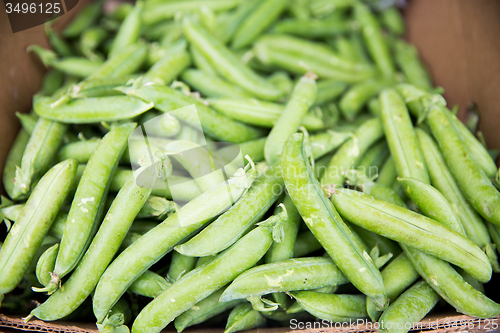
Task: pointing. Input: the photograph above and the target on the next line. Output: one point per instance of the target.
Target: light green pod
(85, 18)
(129, 31)
(180, 265)
(328, 90)
(388, 173)
(305, 244)
(128, 61)
(45, 266)
(406, 56)
(13, 159)
(28, 121)
(168, 67)
(200, 61)
(244, 317)
(149, 284)
(210, 85)
(336, 308)
(79, 150)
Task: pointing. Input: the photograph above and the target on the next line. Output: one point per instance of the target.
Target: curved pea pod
(233, 70)
(202, 282)
(239, 219)
(167, 99)
(352, 151)
(327, 226)
(244, 317)
(81, 151)
(257, 21)
(149, 284)
(329, 90)
(128, 61)
(14, 157)
(259, 113)
(85, 18)
(336, 308)
(40, 149)
(300, 101)
(180, 265)
(90, 110)
(45, 266)
(100, 253)
(401, 137)
(412, 229)
(171, 65)
(312, 28)
(204, 310)
(451, 286)
(153, 245)
(129, 30)
(117, 318)
(409, 308)
(305, 244)
(397, 276)
(472, 180)
(375, 42)
(32, 225)
(406, 56)
(285, 275)
(211, 85)
(432, 203)
(88, 203)
(358, 95)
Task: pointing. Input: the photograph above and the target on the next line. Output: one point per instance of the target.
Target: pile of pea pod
(363, 196)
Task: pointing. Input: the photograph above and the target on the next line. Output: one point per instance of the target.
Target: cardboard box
(458, 40)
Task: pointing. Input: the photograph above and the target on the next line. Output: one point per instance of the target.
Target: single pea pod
(210, 85)
(81, 151)
(336, 308)
(129, 31)
(244, 317)
(259, 113)
(228, 27)
(252, 148)
(393, 21)
(117, 318)
(90, 110)
(388, 173)
(156, 208)
(285, 275)
(88, 202)
(409, 308)
(153, 245)
(149, 284)
(325, 223)
(312, 28)
(52, 81)
(90, 39)
(329, 90)
(406, 56)
(171, 65)
(233, 70)
(412, 229)
(85, 18)
(257, 22)
(203, 311)
(180, 265)
(401, 137)
(37, 156)
(305, 244)
(99, 87)
(28, 121)
(45, 266)
(27, 234)
(166, 126)
(201, 62)
(348, 155)
(471, 179)
(239, 219)
(372, 160)
(128, 61)
(100, 253)
(216, 125)
(14, 158)
(202, 282)
(300, 101)
(57, 43)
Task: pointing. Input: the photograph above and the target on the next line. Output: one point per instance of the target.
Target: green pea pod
(388, 173)
(392, 19)
(79, 150)
(351, 151)
(86, 18)
(14, 157)
(57, 43)
(202, 282)
(128, 61)
(305, 244)
(57, 228)
(157, 208)
(276, 277)
(252, 148)
(406, 56)
(233, 70)
(52, 81)
(118, 316)
(325, 142)
(375, 42)
(358, 95)
(27, 234)
(257, 22)
(204, 310)
(244, 317)
(168, 126)
(239, 219)
(339, 308)
(129, 31)
(28, 121)
(228, 28)
(45, 265)
(201, 62)
(149, 284)
(167, 99)
(325, 223)
(90, 39)
(180, 265)
(100, 253)
(372, 160)
(373, 240)
(90, 110)
(153, 245)
(329, 90)
(397, 276)
(409, 308)
(432, 203)
(211, 85)
(40, 149)
(168, 67)
(312, 28)
(259, 113)
(471, 179)
(412, 229)
(325, 7)
(301, 99)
